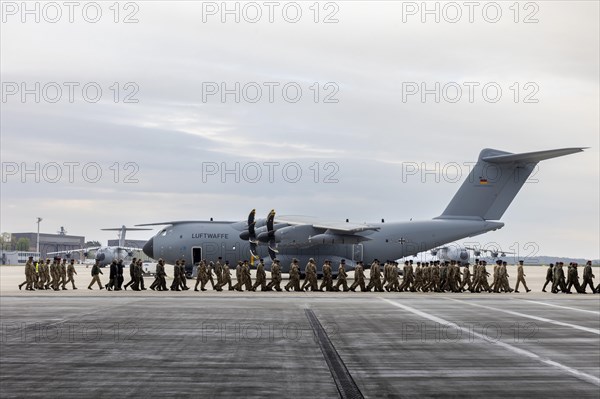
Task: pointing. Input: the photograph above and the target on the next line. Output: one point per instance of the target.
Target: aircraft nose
(149, 248)
(100, 257)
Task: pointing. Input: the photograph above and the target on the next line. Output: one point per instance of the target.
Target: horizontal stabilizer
(531, 156)
(494, 182)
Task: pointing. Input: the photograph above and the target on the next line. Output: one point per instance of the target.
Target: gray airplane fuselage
(193, 241)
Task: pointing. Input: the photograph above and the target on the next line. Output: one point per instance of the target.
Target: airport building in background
(52, 242)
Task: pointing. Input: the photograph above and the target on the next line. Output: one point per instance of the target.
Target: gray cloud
(369, 134)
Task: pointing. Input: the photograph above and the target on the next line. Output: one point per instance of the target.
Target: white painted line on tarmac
(559, 306)
(529, 316)
(523, 352)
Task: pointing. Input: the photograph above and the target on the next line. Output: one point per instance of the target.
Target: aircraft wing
(333, 226)
(73, 250)
(130, 249)
(183, 222)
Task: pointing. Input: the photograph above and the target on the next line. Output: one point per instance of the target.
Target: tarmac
(277, 344)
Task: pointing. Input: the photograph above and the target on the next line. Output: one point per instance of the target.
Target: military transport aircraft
(475, 209)
(105, 254)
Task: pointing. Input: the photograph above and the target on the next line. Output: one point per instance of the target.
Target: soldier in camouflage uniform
(573, 278)
(63, 274)
(202, 277)
(427, 282)
(47, 277)
(96, 276)
(375, 277)
(238, 277)
(41, 282)
(176, 276)
(294, 281)
(55, 273)
(482, 282)
(327, 282)
(496, 276)
(70, 272)
(275, 282)
(504, 283)
(246, 276)
(394, 282)
(209, 275)
(219, 271)
(307, 272)
(559, 278)
(226, 276)
(342, 277)
(131, 274)
(359, 278)
(466, 279)
(29, 270)
(160, 282)
(182, 276)
(521, 277)
(261, 277)
(139, 274)
(418, 278)
(549, 278)
(408, 278)
(456, 282)
(588, 278)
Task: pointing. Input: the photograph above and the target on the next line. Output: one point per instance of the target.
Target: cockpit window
(163, 233)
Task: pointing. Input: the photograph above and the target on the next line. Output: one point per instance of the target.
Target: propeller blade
(270, 220)
(251, 222)
(272, 253)
(253, 249)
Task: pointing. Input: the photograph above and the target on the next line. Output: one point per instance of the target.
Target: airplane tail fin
(494, 182)
(122, 231)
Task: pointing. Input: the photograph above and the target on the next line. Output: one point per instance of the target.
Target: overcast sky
(359, 145)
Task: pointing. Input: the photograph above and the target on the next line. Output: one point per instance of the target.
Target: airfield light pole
(37, 241)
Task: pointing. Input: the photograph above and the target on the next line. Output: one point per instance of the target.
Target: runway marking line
(558, 306)
(538, 318)
(523, 352)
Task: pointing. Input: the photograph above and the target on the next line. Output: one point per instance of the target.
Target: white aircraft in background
(461, 254)
(106, 254)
